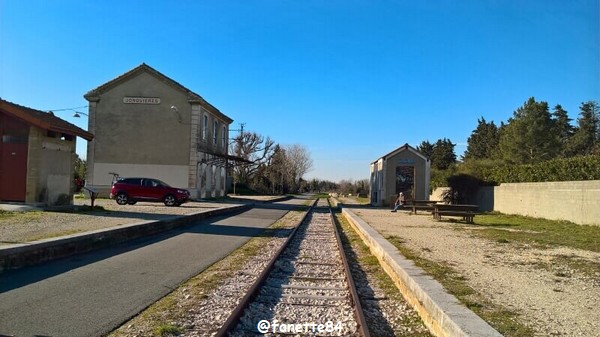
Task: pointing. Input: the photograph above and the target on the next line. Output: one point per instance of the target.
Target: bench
(93, 193)
(422, 205)
(467, 212)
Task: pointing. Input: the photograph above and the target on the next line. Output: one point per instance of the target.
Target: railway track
(306, 289)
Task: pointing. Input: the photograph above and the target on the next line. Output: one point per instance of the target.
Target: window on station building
(204, 127)
(215, 131)
(224, 138)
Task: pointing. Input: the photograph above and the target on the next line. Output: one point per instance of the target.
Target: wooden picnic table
(422, 204)
(468, 212)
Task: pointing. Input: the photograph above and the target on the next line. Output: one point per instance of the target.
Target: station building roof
(193, 97)
(43, 120)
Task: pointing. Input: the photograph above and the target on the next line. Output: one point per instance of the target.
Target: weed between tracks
(505, 321)
(160, 318)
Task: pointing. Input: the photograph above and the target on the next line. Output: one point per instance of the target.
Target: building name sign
(406, 161)
(141, 100)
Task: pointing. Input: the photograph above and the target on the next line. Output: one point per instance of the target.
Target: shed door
(14, 136)
(405, 181)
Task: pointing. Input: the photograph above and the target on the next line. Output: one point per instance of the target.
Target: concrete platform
(15, 256)
(18, 207)
(441, 312)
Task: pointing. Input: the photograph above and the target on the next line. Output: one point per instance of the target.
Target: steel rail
(359, 315)
(237, 313)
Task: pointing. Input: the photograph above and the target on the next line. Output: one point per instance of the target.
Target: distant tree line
(535, 144)
(270, 168)
(279, 169)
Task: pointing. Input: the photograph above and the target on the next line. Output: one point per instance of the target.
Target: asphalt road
(91, 294)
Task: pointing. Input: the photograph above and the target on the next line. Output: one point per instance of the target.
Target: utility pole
(240, 138)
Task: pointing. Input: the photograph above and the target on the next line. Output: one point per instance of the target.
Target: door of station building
(405, 181)
(14, 136)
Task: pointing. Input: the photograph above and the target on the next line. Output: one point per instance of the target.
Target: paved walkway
(21, 227)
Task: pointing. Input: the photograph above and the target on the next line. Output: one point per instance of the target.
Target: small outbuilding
(403, 170)
(37, 156)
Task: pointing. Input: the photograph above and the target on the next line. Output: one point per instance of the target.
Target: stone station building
(147, 125)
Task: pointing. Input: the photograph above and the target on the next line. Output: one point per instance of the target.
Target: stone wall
(575, 201)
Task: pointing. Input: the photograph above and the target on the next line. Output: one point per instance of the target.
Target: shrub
(560, 169)
(463, 188)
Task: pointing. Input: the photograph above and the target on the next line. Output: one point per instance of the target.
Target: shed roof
(193, 97)
(43, 120)
(402, 148)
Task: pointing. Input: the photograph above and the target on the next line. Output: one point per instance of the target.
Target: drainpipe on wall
(384, 195)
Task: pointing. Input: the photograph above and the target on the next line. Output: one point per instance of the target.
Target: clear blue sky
(349, 79)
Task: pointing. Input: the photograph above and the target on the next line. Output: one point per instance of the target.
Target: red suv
(131, 190)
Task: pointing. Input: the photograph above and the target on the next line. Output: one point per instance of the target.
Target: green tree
(586, 137)
(529, 136)
(483, 141)
(562, 124)
(80, 168)
(443, 154)
(426, 148)
(277, 173)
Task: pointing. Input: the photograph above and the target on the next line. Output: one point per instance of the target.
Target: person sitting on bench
(399, 202)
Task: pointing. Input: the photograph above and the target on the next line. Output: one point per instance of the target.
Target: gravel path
(558, 301)
(35, 225)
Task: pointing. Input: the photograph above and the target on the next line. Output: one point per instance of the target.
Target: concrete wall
(376, 182)
(438, 193)
(136, 135)
(142, 133)
(575, 201)
(50, 169)
(174, 175)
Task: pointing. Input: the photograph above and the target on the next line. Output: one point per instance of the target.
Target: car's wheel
(170, 200)
(122, 198)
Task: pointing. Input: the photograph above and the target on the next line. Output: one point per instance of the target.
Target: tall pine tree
(443, 154)
(529, 136)
(426, 148)
(563, 128)
(587, 135)
(483, 141)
